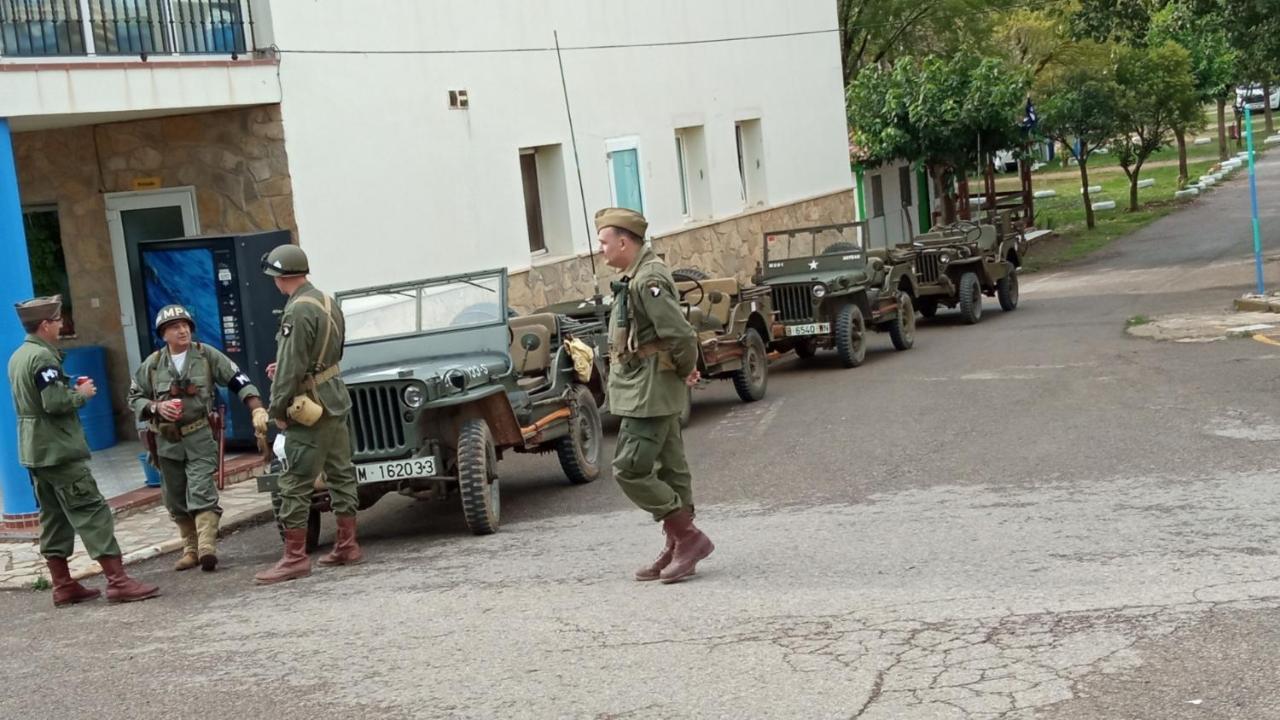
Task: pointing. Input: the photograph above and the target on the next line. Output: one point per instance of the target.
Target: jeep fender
(489, 404)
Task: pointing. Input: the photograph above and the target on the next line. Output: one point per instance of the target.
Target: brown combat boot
(120, 587)
(207, 539)
(654, 570)
(187, 531)
(345, 550)
(691, 546)
(293, 564)
(65, 590)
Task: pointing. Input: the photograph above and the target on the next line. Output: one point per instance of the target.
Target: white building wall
(391, 184)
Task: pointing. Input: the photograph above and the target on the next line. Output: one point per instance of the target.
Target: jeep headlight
(819, 291)
(413, 396)
(944, 259)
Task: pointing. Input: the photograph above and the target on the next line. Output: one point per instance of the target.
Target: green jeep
(443, 382)
(958, 263)
(827, 291)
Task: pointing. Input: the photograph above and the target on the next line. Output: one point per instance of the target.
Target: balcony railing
(53, 28)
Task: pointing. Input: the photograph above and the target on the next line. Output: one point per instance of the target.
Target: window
(691, 164)
(877, 196)
(546, 200)
(624, 173)
(904, 184)
(750, 141)
(532, 200)
(48, 263)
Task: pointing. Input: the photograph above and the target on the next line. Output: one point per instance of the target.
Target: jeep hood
(494, 364)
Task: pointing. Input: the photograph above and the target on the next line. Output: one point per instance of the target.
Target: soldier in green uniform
(52, 446)
(654, 360)
(174, 391)
(309, 402)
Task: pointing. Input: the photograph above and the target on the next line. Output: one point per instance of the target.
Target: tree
(1034, 39)
(938, 111)
(1214, 64)
(1253, 29)
(1078, 102)
(1157, 95)
(1118, 21)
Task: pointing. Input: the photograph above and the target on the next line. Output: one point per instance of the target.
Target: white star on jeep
(813, 264)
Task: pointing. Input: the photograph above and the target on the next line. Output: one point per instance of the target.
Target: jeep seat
(987, 238)
(718, 312)
(534, 362)
(700, 320)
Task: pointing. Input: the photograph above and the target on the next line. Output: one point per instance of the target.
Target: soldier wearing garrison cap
(655, 359)
(52, 446)
(309, 402)
(174, 391)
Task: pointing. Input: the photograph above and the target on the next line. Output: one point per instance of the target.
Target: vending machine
(219, 279)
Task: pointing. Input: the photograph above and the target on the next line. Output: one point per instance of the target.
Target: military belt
(312, 381)
(648, 349)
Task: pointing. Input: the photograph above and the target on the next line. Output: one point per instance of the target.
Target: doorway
(134, 217)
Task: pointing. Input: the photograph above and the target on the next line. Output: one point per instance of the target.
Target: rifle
(217, 422)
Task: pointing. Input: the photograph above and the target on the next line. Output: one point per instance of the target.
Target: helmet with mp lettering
(285, 261)
(171, 314)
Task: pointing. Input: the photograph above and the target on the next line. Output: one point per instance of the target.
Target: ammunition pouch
(173, 432)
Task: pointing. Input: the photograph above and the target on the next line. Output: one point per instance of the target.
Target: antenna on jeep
(573, 140)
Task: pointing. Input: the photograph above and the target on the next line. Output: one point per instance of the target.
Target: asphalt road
(1036, 517)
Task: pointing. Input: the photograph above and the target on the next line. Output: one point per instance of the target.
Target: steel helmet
(173, 313)
(284, 261)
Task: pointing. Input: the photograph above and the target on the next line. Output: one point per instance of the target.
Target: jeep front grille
(793, 302)
(375, 420)
(928, 268)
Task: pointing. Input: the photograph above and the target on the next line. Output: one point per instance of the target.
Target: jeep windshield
(844, 240)
(425, 306)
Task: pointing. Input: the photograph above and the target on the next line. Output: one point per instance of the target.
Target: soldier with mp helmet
(309, 402)
(174, 391)
(654, 353)
(53, 448)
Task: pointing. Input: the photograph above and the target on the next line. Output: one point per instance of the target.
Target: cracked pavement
(1038, 517)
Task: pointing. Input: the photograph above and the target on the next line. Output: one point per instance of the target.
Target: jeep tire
(477, 481)
(1007, 290)
(579, 451)
(752, 380)
(851, 336)
(970, 298)
(903, 330)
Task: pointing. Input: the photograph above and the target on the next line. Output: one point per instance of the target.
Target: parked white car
(1253, 95)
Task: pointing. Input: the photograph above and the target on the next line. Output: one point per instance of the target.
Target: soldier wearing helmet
(310, 401)
(174, 392)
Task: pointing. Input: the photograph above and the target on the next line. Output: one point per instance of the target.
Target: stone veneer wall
(235, 160)
(730, 247)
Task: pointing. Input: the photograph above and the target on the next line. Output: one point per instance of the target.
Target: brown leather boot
(345, 550)
(293, 564)
(120, 587)
(187, 530)
(65, 590)
(691, 546)
(207, 539)
(654, 571)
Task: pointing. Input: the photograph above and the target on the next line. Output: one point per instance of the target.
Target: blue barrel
(96, 416)
(150, 473)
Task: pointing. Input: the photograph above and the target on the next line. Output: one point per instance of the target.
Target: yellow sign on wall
(146, 183)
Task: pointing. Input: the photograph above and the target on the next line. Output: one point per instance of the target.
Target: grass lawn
(1065, 215)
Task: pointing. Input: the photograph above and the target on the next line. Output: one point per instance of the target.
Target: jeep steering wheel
(702, 293)
(972, 230)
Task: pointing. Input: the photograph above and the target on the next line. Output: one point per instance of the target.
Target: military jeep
(443, 382)
(733, 322)
(827, 291)
(958, 263)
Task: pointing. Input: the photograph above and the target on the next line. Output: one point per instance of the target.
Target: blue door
(626, 179)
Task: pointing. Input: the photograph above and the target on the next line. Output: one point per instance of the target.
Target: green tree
(1157, 95)
(1120, 21)
(1214, 64)
(939, 111)
(1078, 103)
(1253, 30)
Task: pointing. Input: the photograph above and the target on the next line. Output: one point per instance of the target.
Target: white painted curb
(1146, 183)
(1104, 205)
(1188, 193)
(1203, 141)
(1092, 189)
(1042, 194)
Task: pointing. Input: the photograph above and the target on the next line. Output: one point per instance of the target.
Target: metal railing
(59, 28)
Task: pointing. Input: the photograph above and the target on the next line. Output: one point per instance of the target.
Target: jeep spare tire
(687, 274)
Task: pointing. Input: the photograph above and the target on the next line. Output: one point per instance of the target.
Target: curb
(175, 544)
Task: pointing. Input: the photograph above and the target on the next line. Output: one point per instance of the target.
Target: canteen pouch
(305, 411)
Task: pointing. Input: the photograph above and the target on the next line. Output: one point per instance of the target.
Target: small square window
(458, 99)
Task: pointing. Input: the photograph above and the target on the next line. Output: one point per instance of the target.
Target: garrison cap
(41, 308)
(285, 261)
(173, 313)
(623, 218)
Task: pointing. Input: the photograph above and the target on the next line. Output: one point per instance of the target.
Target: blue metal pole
(15, 286)
(1253, 196)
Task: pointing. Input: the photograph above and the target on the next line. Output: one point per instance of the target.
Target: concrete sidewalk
(142, 534)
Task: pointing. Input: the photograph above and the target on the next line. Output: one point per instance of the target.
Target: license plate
(423, 467)
(808, 329)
